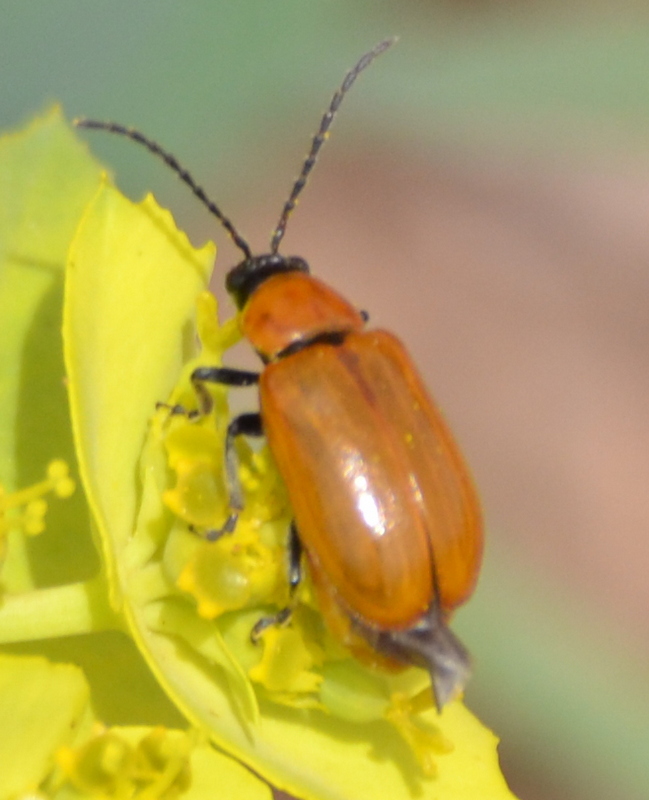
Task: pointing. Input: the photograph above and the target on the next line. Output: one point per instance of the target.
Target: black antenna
(321, 136)
(171, 162)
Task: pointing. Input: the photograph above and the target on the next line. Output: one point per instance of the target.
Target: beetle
(384, 507)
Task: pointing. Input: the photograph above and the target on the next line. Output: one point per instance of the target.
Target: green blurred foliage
(234, 87)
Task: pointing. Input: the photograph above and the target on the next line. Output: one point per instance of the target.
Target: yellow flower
(295, 707)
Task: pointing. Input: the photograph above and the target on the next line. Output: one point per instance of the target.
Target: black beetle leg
(294, 578)
(294, 558)
(180, 410)
(226, 376)
(243, 425)
(279, 619)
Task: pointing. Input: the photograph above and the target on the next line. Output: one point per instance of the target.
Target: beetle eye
(365, 315)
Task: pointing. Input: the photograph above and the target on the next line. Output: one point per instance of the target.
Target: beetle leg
(279, 619)
(243, 425)
(180, 410)
(294, 559)
(226, 376)
(294, 579)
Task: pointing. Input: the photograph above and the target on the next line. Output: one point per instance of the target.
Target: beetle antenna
(322, 135)
(172, 163)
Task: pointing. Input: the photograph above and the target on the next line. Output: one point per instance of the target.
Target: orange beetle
(383, 503)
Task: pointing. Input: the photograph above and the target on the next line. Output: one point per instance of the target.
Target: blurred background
(485, 195)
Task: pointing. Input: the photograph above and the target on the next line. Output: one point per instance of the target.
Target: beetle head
(243, 279)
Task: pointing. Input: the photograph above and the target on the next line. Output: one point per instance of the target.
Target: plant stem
(69, 610)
